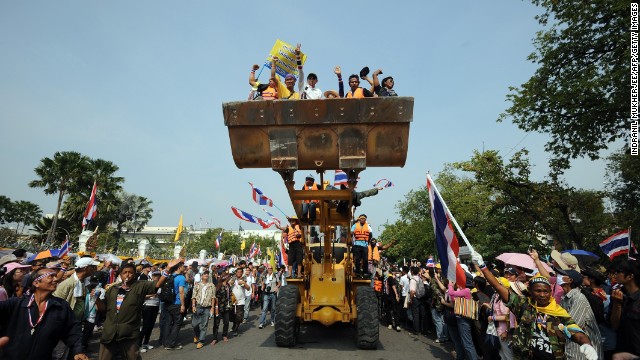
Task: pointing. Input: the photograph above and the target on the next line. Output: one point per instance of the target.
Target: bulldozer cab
(321, 135)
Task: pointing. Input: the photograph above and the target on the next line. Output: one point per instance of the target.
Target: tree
(526, 209)
(60, 175)
(580, 93)
(26, 213)
(623, 182)
(6, 210)
(133, 213)
(44, 228)
(109, 185)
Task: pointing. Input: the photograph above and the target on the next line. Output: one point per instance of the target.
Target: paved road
(315, 342)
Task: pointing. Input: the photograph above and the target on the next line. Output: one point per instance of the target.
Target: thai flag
(617, 244)
(259, 197)
(64, 249)
(253, 251)
(283, 259)
(250, 218)
(386, 185)
(275, 219)
(446, 239)
(430, 262)
(92, 207)
(218, 240)
(340, 178)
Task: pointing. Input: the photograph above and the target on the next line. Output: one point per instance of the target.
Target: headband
(44, 276)
(539, 280)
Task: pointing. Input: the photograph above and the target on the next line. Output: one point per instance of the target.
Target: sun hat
(518, 287)
(14, 265)
(8, 259)
(331, 93)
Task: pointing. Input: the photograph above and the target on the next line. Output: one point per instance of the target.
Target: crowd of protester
(276, 90)
(498, 312)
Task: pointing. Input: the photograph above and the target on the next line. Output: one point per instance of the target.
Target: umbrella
(522, 260)
(53, 253)
(199, 261)
(585, 258)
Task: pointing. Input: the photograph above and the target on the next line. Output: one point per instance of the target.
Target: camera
(268, 289)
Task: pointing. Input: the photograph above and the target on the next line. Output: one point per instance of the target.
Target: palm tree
(133, 213)
(102, 172)
(27, 213)
(6, 210)
(60, 175)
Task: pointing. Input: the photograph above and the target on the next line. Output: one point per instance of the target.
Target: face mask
(560, 280)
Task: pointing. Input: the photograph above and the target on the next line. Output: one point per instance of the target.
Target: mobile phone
(530, 248)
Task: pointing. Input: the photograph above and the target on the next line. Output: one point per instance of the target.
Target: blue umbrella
(585, 258)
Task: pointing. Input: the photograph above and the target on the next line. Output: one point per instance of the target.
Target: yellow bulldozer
(321, 135)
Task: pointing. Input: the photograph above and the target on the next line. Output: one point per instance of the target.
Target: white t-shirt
(250, 281)
(238, 292)
(404, 281)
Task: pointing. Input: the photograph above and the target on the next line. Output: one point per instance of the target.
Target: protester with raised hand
(543, 326)
(122, 303)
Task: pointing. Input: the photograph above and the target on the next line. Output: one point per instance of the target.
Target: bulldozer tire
(287, 324)
(367, 321)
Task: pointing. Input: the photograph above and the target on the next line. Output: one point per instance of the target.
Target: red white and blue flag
(384, 183)
(64, 249)
(242, 215)
(617, 244)
(283, 259)
(253, 252)
(275, 219)
(92, 207)
(259, 197)
(340, 178)
(446, 239)
(218, 240)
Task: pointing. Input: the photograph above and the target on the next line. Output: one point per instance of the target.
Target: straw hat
(565, 261)
(331, 94)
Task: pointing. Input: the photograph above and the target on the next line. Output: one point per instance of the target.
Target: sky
(142, 83)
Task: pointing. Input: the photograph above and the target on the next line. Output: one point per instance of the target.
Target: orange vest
(362, 232)
(293, 234)
(374, 255)
(312, 187)
(269, 93)
(358, 94)
(377, 285)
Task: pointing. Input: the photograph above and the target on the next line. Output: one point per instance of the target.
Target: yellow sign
(287, 63)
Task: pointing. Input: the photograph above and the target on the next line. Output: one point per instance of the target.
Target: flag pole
(629, 252)
(446, 208)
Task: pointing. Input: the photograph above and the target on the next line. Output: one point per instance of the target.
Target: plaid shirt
(578, 307)
(203, 294)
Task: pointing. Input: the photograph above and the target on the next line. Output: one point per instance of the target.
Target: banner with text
(286, 58)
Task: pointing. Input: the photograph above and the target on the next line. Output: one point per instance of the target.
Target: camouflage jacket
(522, 340)
(437, 296)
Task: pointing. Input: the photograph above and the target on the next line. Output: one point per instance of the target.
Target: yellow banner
(286, 58)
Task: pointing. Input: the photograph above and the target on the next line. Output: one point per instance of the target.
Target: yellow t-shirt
(284, 93)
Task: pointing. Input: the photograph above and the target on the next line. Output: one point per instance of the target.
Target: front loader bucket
(319, 134)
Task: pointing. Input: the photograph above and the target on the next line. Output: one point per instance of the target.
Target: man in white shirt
(248, 294)
(404, 283)
(238, 285)
(307, 89)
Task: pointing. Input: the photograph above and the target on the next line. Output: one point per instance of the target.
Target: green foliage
(6, 210)
(26, 213)
(108, 191)
(500, 209)
(60, 175)
(579, 95)
(623, 182)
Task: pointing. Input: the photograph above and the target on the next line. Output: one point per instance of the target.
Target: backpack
(167, 291)
(597, 306)
(420, 291)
